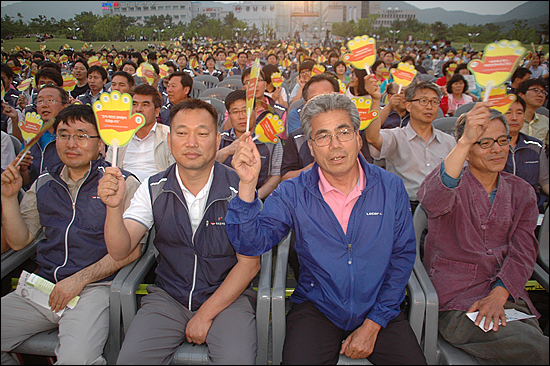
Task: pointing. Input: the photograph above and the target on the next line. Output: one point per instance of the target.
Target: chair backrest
(234, 84)
(440, 113)
(544, 237)
(16, 144)
(286, 89)
(218, 93)
(296, 104)
(542, 110)
(198, 88)
(233, 77)
(465, 108)
(208, 80)
(220, 107)
(445, 124)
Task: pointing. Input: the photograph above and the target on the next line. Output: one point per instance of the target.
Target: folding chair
(234, 84)
(218, 93)
(541, 270)
(44, 343)
(445, 124)
(208, 80)
(189, 353)
(278, 311)
(220, 107)
(297, 104)
(436, 349)
(465, 108)
(198, 88)
(16, 144)
(542, 110)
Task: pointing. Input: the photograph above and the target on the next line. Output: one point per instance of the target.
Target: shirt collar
(325, 186)
(410, 133)
(203, 192)
(151, 132)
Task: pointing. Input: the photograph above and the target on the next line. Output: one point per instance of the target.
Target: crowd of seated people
(218, 198)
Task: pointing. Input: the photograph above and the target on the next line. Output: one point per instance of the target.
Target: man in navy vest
(200, 280)
(64, 203)
(271, 154)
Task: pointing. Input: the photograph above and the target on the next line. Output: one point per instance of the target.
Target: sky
(479, 7)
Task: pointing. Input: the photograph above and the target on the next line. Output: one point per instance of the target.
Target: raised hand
(476, 123)
(111, 187)
(247, 162)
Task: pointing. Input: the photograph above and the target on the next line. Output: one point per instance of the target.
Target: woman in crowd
(455, 95)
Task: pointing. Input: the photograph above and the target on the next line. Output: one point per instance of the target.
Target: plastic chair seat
(198, 88)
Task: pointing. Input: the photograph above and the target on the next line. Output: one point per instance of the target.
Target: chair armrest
(541, 276)
(431, 315)
(13, 258)
(114, 342)
(417, 306)
(278, 308)
(263, 307)
(128, 300)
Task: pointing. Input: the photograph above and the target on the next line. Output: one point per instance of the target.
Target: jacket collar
(222, 187)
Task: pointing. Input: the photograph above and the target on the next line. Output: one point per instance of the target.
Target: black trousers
(311, 338)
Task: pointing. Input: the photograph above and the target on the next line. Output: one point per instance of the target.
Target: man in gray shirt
(413, 151)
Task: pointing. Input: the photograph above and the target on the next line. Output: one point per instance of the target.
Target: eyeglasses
(78, 137)
(538, 91)
(488, 142)
(47, 101)
(424, 102)
(325, 139)
(238, 111)
(248, 81)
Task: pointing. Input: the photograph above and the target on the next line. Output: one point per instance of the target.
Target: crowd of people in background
(309, 182)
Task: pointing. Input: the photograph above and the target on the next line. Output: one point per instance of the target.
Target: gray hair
(326, 103)
(421, 85)
(461, 122)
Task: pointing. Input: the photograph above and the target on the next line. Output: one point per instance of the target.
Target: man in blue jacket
(354, 239)
(64, 202)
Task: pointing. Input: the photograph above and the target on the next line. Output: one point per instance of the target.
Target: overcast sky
(479, 7)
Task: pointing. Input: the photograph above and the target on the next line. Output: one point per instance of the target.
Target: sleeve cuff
(446, 179)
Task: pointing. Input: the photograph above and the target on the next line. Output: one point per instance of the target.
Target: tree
(366, 25)
(86, 22)
(344, 29)
(522, 32)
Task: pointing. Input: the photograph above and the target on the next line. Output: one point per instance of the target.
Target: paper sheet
(511, 315)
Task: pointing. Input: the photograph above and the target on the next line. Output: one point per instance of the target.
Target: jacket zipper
(68, 226)
(193, 242)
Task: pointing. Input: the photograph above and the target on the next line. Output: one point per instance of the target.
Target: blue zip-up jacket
(74, 231)
(191, 267)
(349, 277)
(528, 160)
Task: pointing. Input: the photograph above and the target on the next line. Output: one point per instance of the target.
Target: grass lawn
(55, 43)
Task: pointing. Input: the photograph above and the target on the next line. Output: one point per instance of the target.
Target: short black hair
(195, 104)
(247, 71)
(129, 62)
(83, 62)
(185, 79)
(520, 73)
(521, 101)
(130, 78)
(50, 74)
(62, 93)
(6, 69)
(74, 112)
(456, 78)
(241, 53)
(100, 69)
(318, 78)
(522, 88)
(50, 65)
(232, 97)
(146, 89)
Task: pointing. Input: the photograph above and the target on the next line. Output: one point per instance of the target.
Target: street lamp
(74, 29)
(394, 33)
(474, 35)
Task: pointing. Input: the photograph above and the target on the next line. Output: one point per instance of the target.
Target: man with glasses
(527, 158)
(534, 93)
(395, 113)
(64, 202)
(354, 239)
(480, 249)
(415, 150)
(50, 101)
(271, 154)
